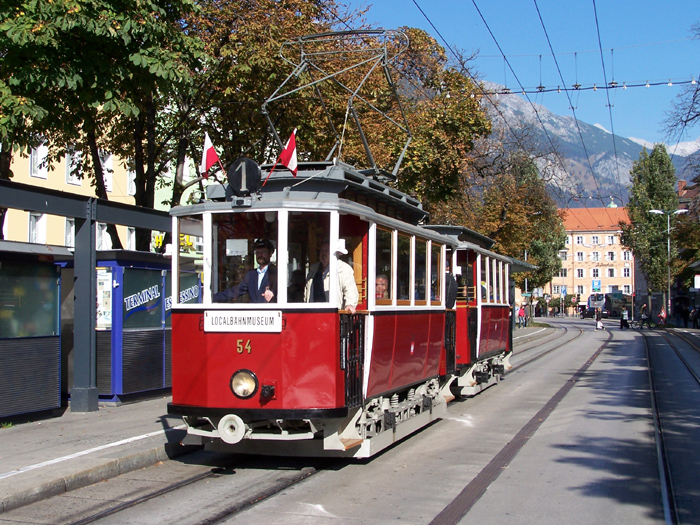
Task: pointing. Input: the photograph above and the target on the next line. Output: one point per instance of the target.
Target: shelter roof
(593, 219)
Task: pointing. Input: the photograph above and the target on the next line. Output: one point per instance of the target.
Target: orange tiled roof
(593, 219)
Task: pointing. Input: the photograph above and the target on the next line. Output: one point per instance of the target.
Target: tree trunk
(5, 174)
(100, 189)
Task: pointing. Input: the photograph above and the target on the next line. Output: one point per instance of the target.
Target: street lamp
(668, 252)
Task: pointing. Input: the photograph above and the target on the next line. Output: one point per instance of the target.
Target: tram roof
(462, 234)
(317, 183)
(471, 240)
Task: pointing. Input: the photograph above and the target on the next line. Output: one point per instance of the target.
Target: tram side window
(484, 279)
(403, 270)
(245, 257)
(384, 286)
(308, 258)
(421, 263)
(435, 273)
(190, 258)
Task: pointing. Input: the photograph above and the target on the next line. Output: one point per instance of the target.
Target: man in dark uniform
(260, 284)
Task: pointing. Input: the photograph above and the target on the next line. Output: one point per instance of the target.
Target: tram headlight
(244, 384)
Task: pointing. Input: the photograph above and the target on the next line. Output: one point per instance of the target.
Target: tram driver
(260, 284)
(318, 279)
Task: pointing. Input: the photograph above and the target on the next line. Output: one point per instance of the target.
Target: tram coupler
(481, 377)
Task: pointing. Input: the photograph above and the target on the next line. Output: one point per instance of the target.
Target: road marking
(528, 335)
(89, 451)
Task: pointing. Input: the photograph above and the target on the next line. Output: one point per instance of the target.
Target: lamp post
(668, 249)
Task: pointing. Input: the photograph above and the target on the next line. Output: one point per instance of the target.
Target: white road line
(527, 335)
(89, 451)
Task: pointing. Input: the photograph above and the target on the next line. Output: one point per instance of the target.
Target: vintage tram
(261, 365)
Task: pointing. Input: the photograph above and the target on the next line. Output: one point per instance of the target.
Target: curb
(110, 469)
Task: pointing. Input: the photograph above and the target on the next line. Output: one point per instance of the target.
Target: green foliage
(653, 179)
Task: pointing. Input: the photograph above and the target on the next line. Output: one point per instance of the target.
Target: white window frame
(627, 272)
(580, 257)
(595, 274)
(580, 273)
(579, 239)
(595, 240)
(70, 177)
(37, 228)
(69, 234)
(37, 162)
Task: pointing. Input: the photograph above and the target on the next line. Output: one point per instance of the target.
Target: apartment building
(41, 228)
(594, 260)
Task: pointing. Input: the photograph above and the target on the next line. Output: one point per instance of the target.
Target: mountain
(596, 168)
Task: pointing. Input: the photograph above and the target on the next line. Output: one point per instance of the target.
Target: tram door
(354, 232)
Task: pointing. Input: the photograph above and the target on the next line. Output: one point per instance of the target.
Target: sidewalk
(52, 456)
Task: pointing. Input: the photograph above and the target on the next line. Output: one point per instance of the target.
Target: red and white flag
(209, 157)
(288, 157)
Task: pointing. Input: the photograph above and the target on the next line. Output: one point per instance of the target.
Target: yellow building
(594, 260)
(40, 228)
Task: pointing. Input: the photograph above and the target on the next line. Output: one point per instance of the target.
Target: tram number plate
(243, 321)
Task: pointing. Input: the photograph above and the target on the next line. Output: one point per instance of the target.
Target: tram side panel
(495, 325)
(406, 350)
(302, 363)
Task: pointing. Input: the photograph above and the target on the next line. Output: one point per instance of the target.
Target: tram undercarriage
(481, 375)
(382, 421)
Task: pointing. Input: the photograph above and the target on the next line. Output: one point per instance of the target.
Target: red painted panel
(463, 350)
(406, 349)
(303, 361)
(495, 325)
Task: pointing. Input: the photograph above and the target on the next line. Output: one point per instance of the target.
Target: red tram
(319, 324)
(263, 364)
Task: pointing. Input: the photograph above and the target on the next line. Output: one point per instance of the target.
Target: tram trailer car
(294, 377)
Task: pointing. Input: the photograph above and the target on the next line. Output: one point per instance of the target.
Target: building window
(611, 256)
(611, 272)
(626, 256)
(563, 272)
(595, 273)
(595, 240)
(580, 273)
(103, 241)
(107, 170)
(568, 240)
(562, 255)
(131, 183)
(626, 272)
(627, 289)
(37, 162)
(579, 256)
(131, 238)
(37, 228)
(595, 256)
(72, 168)
(579, 239)
(556, 289)
(611, 239)
(580, 289)
(70, 233)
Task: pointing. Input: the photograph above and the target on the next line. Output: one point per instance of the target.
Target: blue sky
(642, 41)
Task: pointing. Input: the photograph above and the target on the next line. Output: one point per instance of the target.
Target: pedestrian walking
(645, 318)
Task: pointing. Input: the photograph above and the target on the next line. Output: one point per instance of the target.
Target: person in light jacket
(318, 280)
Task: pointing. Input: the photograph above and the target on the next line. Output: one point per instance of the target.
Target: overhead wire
(607, 94)
(576, 121)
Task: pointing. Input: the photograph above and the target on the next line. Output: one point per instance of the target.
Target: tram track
(673, 510)
(227, 511)
(548, 351)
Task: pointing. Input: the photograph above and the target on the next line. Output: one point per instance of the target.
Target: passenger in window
(318, 279)
(382, 287)
(259, 284)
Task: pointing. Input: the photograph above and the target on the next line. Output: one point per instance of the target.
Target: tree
(653, 178)
(509, 203)
(73, 72)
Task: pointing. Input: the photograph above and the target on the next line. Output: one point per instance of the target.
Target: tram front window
(308, 257)
(245, 255)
